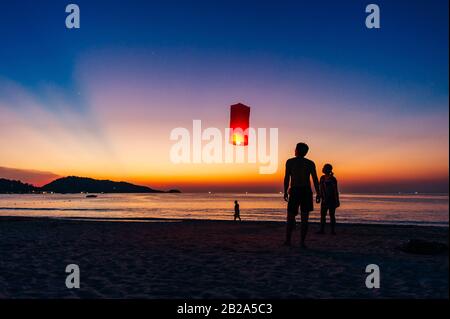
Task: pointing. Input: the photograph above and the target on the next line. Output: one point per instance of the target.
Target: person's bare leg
(304, 228)
(292, 211)
(323, 219)
(333, 220)
(289, 229)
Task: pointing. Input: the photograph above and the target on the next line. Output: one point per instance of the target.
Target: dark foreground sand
(212, 259)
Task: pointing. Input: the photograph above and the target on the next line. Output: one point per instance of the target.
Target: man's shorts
(300, 197)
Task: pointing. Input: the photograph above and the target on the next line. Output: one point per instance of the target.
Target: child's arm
(336, 192)
(321, 187)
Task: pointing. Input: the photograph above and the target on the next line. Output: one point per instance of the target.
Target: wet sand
(213, 259)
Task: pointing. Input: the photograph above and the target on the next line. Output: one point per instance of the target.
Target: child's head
(236, 202)
(327, 169)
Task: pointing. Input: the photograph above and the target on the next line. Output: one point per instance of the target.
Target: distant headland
(75, 184)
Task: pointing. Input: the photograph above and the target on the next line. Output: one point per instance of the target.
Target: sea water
(416, 209)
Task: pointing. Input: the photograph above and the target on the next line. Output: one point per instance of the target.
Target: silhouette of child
(237, 212)
(330, 198)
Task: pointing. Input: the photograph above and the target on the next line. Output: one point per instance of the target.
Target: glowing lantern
(239, 123)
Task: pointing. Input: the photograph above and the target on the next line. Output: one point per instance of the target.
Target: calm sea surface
(391, 209)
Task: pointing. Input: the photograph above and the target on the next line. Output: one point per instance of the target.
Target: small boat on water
(91, 196)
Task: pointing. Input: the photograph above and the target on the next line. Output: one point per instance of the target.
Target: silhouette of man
(299, 171)
(237, 212)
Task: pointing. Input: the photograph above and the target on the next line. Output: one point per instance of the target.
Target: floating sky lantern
(239, 123)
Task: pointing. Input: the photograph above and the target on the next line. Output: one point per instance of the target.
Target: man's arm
(315, 179)
(287, 176)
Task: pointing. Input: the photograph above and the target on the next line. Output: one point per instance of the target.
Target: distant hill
(15, 187)
(74, 184)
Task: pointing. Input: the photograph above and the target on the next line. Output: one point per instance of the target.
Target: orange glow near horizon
(146, 162)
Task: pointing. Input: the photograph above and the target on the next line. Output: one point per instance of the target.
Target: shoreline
(194, 259)
(172, 220)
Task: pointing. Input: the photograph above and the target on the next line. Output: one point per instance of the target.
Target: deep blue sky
(411, 47)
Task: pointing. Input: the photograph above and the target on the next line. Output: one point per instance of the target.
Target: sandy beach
(213, 259)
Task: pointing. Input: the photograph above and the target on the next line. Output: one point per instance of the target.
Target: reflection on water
(393, 209)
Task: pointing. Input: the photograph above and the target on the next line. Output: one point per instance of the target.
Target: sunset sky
(102, 100)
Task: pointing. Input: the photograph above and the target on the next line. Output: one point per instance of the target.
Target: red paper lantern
(239, 123)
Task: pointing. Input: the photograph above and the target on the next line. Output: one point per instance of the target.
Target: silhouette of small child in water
(330, 198)
(237, 212)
